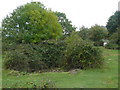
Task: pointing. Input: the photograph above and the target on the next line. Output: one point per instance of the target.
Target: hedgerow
(71, 53)
(34, 57)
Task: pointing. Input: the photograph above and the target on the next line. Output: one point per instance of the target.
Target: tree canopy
(31, 22)
(84, 33)
(97, 34)
(115, 37)
(113, 22)
(65, 23)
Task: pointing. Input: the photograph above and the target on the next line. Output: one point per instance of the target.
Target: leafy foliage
(65, 23)
(97, 33)
(73, 53)
(31, 23)
(84, 33)
(114, 40)
(113, 22)
(115, 37)
(33, 57)
(23, 58)
(113, 26)
(80, 54)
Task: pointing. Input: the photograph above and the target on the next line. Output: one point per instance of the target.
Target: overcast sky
(80, 12)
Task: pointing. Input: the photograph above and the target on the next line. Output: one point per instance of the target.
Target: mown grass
(106, 77)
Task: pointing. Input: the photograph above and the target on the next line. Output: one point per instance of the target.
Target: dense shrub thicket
(71, 53)
(81, 54)
(34, 57)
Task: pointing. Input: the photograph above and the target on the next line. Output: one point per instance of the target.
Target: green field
(106, 77)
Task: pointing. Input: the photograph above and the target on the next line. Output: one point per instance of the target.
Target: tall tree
(97, 34)
(84, 33)
(65, 23)
(31, 23)
(115, 37)
(113, 22)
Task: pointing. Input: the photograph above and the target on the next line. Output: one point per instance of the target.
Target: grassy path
(92, 78)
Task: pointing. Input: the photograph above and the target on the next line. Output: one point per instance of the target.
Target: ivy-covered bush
(34, 57)
(81, 54)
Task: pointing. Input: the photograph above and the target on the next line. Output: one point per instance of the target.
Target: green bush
(52, 53)
(7, 45)
(112, 46)
(24, 58)
(71, 53)
(34, 57)
(80, 54)
(98, 43)
(16, 61)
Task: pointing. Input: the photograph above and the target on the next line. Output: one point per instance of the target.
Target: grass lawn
(92, 78)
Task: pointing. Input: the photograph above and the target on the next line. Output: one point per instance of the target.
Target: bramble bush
(81, 54)
(22, 58)
(71, 53)
(34, 57)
